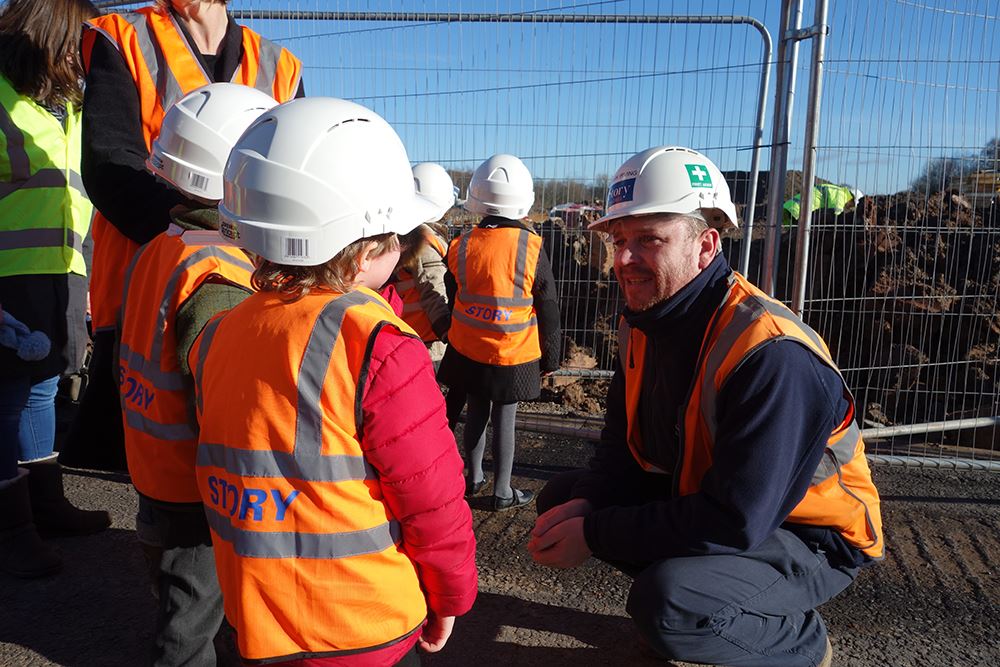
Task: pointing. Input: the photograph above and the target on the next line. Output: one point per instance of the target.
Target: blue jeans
(27, 422)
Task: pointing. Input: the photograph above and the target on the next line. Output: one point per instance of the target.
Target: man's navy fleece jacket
(776, 412)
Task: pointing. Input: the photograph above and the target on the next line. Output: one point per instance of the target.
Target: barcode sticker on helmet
(198, 182)
(296, 248)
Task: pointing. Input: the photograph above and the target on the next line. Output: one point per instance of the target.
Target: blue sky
(907, 80)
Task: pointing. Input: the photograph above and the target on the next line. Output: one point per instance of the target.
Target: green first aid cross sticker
(700, 178)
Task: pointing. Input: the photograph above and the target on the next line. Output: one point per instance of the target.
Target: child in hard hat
(175, 283)
(419, 275)
(331, 482)
(505, 321)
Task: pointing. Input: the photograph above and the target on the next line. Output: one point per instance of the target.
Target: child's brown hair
(338, 274)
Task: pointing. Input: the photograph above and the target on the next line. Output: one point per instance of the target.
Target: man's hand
(557, 538)
(435, 632)
(559, 513)
(562, 545)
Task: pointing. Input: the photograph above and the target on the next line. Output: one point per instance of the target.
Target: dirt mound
(904, 290)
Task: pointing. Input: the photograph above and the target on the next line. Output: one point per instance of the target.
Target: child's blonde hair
(338, 274)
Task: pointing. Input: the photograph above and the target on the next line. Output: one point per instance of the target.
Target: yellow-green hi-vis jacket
(44, 210)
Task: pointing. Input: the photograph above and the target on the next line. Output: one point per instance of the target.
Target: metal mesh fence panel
(905, 286)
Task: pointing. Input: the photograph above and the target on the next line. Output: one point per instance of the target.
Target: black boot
(23, 554)
(54, 515)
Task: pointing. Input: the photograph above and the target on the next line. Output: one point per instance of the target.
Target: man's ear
(711, 245)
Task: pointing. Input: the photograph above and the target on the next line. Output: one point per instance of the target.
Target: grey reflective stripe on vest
(267, 68)
(167, 88)
(259, 544)
(23, 239)
(624, 333)
(463, 249)
(486, 300)
(175, 277)
(493, 326)
(169, 432)
(838, 455)
(312, 375)
(44, 178)
(267, 463)
(521, 264)
(74, 241)
(194, 56)
(780, 310)
(17, 156)
(150, 370)
(20, 165)
(207, 334)
(747, 313)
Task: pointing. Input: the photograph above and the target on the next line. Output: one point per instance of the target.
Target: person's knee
(669, 605)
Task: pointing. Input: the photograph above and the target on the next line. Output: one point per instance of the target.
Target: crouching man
(730, 480)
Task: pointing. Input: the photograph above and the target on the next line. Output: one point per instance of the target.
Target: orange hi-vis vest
(493, 319)
(160, 428)
(406, 286)
(307, 552)
(165, 68)
(842, 495)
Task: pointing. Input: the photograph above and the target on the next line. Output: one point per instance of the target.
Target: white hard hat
(501, 186)
(312, 176)
(669, 179)
(199, 131)
(433, 182)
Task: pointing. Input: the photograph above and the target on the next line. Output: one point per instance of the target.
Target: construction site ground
(935, 600)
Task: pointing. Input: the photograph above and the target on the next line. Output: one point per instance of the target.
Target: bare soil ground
(935, 600)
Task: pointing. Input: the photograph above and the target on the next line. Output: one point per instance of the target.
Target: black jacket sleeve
(775, 415)
(613, 476)
(113, 161)
(543, 292)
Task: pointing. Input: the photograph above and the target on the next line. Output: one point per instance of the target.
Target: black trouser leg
(97, 438)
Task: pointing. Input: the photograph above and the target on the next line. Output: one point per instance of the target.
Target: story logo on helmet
(229, 230)
(622, 191)
(699, 176)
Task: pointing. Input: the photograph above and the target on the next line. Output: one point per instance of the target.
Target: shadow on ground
(507, 630)
(935, 600)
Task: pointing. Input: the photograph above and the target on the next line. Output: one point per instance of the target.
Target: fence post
(818, 31)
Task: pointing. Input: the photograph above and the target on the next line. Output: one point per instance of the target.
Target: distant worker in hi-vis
(173, 286)
(504, 321)
(730, 480)
(331, 482)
